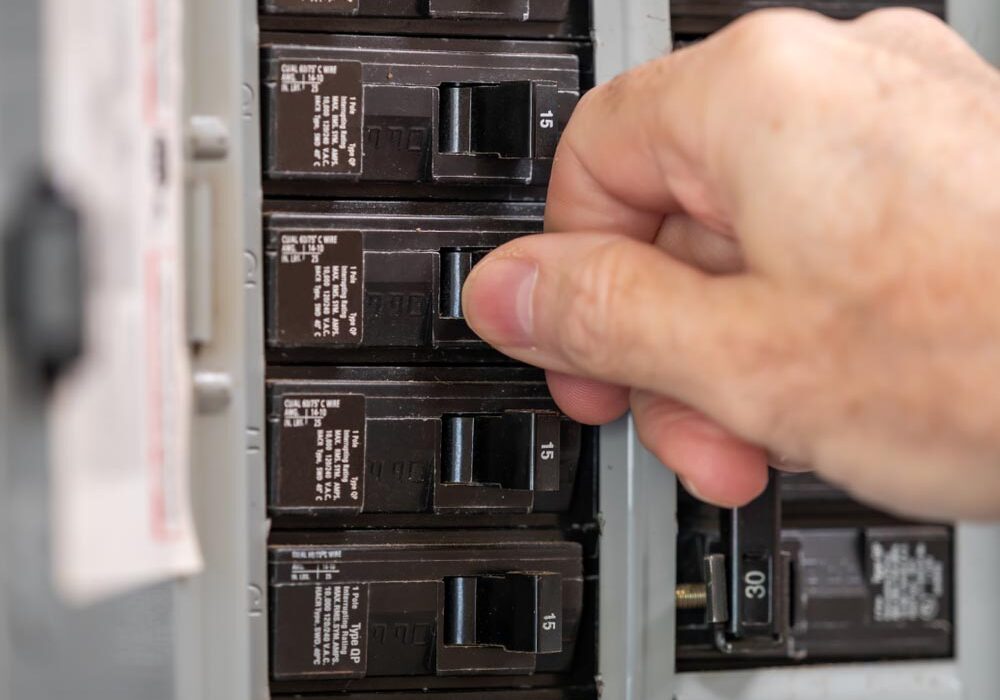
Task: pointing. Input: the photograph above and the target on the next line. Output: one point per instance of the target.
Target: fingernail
(498, 302)
(690, 488)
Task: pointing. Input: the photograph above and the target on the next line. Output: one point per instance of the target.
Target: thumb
(611, 308)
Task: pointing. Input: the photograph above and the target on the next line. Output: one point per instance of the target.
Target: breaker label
(320, 629)
(322, 452)
(320, 289)
(319, 7)
(339, 630)
(908, 580)
(320, 117)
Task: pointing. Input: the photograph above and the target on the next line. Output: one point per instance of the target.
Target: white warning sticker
(121, 417)
(908, 581)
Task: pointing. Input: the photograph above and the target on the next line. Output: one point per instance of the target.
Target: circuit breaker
(805, 575)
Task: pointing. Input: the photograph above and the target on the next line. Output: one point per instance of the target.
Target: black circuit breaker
(751, 537)
(533, 19)
(823, 580)
(485, 10)
(356, 280)
(363, 605)
(392, 440)
(519, 694)
(433, 513)
(402, 113)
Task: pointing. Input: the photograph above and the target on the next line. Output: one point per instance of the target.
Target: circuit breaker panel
(435, 525)
(433, 514)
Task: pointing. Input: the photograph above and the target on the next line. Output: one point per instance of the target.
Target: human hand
(782, 241)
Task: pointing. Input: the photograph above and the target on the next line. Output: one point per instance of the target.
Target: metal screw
(691, 596)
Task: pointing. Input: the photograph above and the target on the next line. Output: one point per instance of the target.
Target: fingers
(586, 400)
(711, 463)
(671, 136)
(689, 242)
(623, 161)
(609, 308)
(693, 243)
(577, 200)
(787, 464)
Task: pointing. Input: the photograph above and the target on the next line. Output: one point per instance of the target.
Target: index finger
(606, 179)
(626, 158)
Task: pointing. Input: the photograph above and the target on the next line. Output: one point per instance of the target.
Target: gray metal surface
(629, 32)
(221, 645)
(979, 22)
(639, 531)
(978, 609)
(253, 333)
(21, 426)
(637, 494)
(902, 681)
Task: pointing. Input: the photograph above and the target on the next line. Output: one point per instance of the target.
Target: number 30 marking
(754, 585)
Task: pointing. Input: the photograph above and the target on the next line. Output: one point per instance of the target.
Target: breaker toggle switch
(455, 268)
(488, 119)
(520, 612)
(516, 450)
(499, 119)
(756, 569)
(500, 10)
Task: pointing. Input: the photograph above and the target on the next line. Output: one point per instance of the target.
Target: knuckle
(606, 97)
(758, 30)
(776, 47)
(592, 96)
(624, 89)
(589, 109)
(911, 18)
(588, 328)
